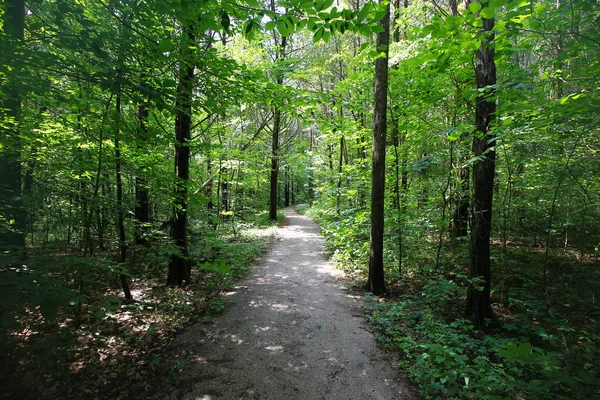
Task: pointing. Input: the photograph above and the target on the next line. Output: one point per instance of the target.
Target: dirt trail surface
(291, 331)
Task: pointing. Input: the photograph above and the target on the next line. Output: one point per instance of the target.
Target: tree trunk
(287, 187)
(273, 194)
(12, 210)
(311, 188)
(142, 195)
(376, 282)
(460, 219)
(180, 267)
(339, 181)
(120, 207)
(224, 195)
(479, 309)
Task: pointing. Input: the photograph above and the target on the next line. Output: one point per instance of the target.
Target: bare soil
(291, 330)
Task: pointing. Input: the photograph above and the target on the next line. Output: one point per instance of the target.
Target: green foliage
(79, 56)
(87, 324)
(450, 360)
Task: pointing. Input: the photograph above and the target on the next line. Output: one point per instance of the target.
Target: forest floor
(291, 330)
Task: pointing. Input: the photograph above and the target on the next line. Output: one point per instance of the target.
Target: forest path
(290, 331)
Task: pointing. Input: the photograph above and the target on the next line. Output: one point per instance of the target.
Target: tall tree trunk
(292, 190)
(208, 193)
(460, 220)
(180, 267)
(273, 193)
(339, 181)
(120, 206)
(142, 195)
(311, 186)
(12, 210)
(286, 187)
(224, 194)
(376, 281)
(397, 141)
(479, 309)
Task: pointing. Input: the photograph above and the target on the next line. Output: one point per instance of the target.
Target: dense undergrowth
(89, 341)
(542, 345)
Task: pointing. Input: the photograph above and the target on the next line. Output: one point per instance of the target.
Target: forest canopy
(449, 151)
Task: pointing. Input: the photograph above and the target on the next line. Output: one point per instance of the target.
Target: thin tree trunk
(376, 281)
(292, 190)
(101, 218)
(120, 208)
(444, 208)
(340, 170)
(273, 193)
(89, 216)
(460, 219)
(276, 131)
(180, 267)
(479, 309)
(12, 210)
(311, 189)
(286, 187)
(142, 195)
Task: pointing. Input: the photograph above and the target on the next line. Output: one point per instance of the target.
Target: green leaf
(301, 24)
(219, 267)
(364, 12)
(318, 35)
(496, 4)
(249, 29)
(326, 4)
(487, 13)
(474, 7)
(225, 21)
(282, 27)
(365, 30)
(377, 28)
(248, 26)
(165, 45)
(454, 136)
(269, 26)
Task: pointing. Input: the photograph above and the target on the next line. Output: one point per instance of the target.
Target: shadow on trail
(291, 331)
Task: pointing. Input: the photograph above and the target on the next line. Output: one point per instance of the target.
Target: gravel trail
(291, 331)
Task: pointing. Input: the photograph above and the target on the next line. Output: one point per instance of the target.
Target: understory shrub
(449, 360)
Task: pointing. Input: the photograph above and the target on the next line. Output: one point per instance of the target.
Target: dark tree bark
(311, 188)
(273, 193)
(12, 210)
(339, 181)
(274, 187)
(400, 170)
(287, 187)
(120, 208)
(460, 220)
(479, 309)
(142, 195)
(376, 282)
(180, 267)
(224, 193)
